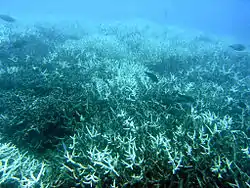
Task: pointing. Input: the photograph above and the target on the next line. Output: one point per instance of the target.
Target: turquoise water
(221, 17)
(124, 94)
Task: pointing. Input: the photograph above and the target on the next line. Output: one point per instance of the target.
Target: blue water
(127, 102)
(220, 17)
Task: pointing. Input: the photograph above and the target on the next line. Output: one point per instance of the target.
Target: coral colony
(122, 105)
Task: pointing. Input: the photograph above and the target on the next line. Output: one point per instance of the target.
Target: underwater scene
(122, 103)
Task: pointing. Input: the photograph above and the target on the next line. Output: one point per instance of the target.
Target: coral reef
(123, 105)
